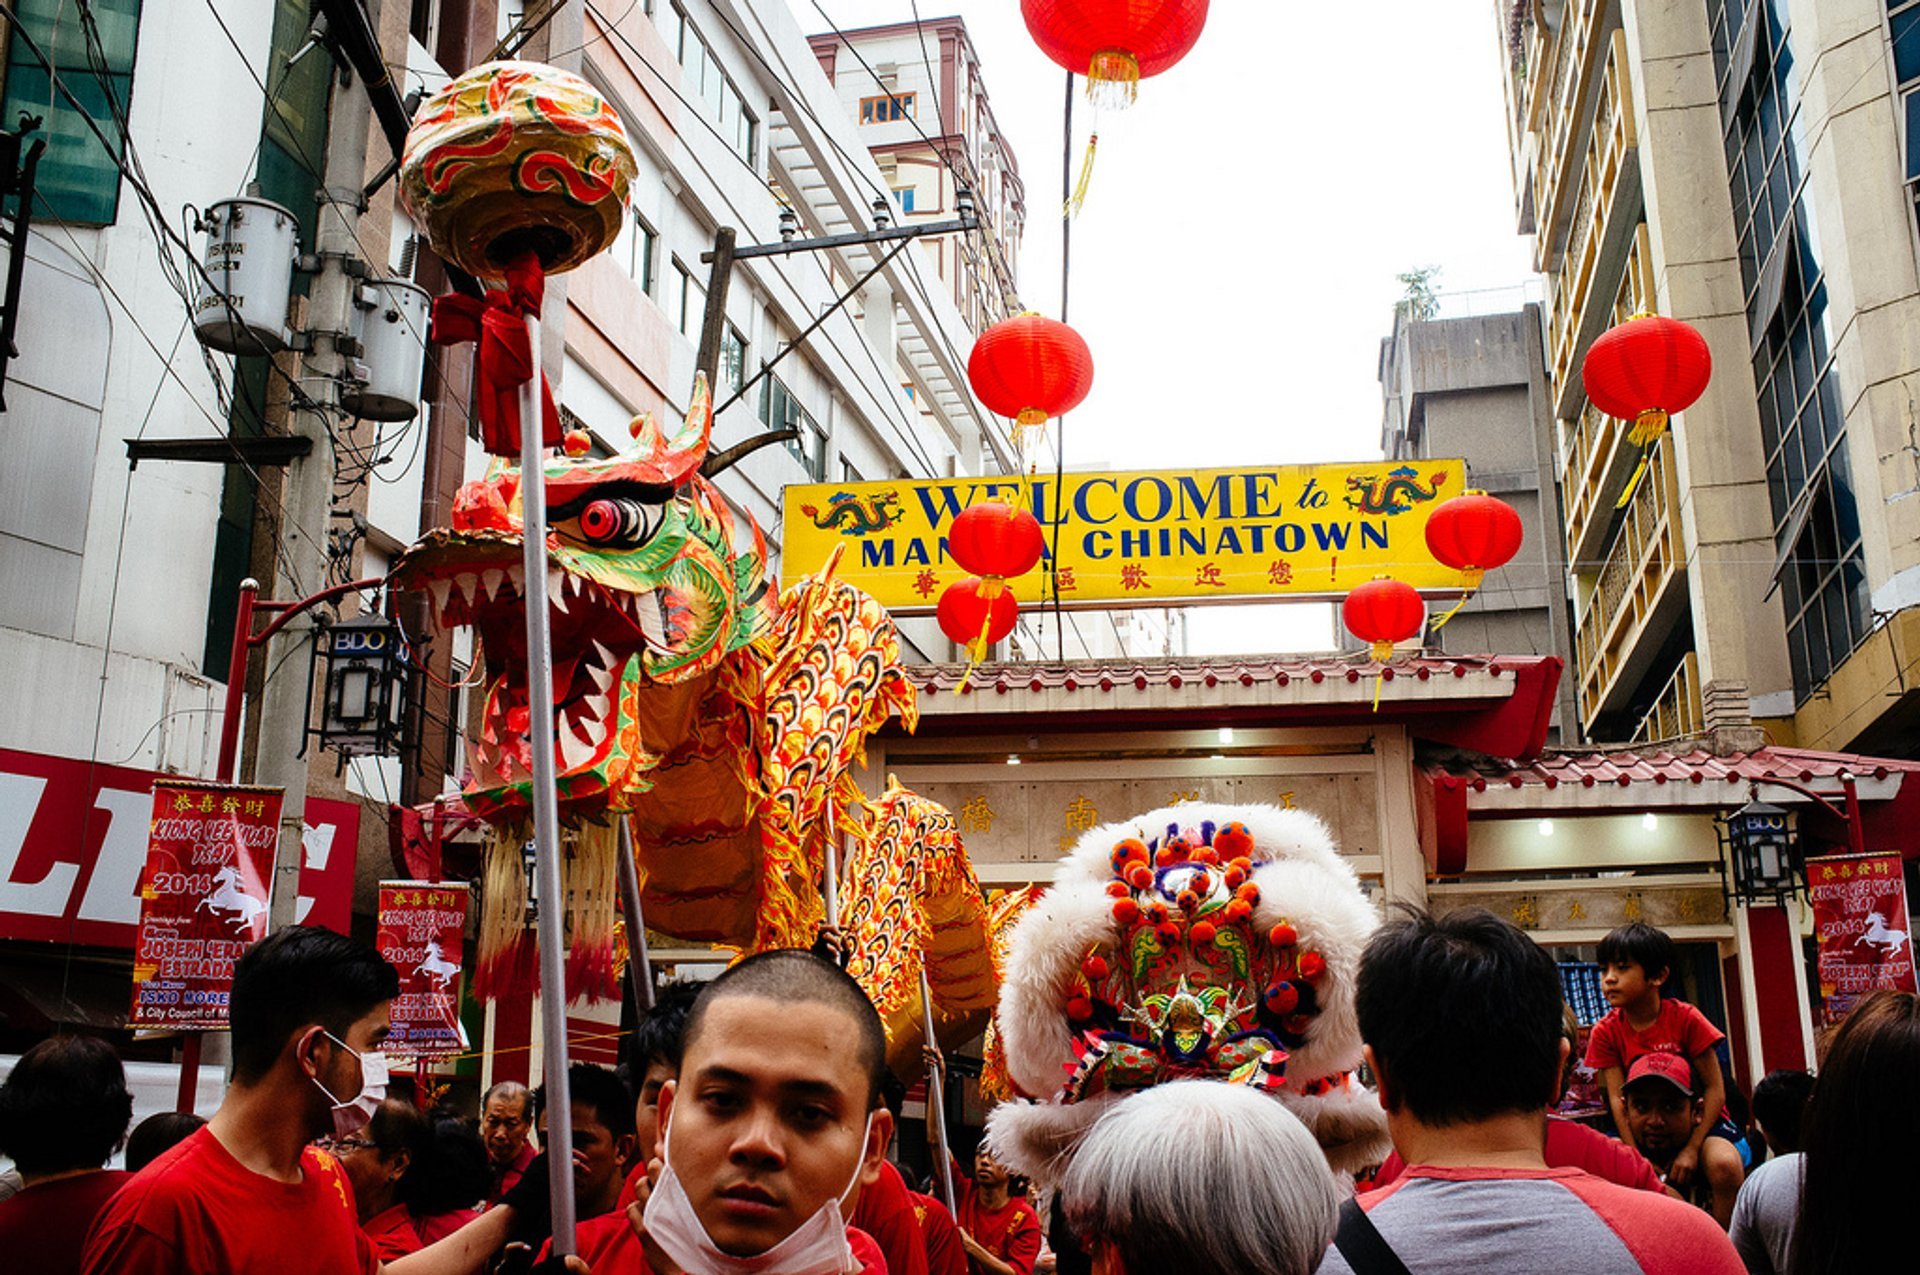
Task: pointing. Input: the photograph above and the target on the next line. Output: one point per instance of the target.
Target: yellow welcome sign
(1141, 538)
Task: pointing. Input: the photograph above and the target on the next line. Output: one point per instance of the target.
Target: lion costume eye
(618, 522)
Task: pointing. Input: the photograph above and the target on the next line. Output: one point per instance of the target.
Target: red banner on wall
(1860, 920)
(422, 932)
(203, 899)
(73, 841)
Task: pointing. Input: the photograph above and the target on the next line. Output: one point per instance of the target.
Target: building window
(904, 194)
(1903, 28)
(780, 409)
(710, 88)
(733, 359)
(633, 251)
(1821, 571)
(77, 182)
(689, 301)
(887, 108)
(849, 474)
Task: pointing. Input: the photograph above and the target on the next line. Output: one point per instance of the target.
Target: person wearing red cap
(1664, 1109)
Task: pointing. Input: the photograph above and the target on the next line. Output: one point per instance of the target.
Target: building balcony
(1677, 712)
(1637, 596)
(1560, 111)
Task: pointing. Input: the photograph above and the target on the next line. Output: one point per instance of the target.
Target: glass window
(779, 409)
(633, 251)
(690, 305)
(887, 108)
(77, 180)
(1906, 44)
(708, 85)
(733, 359)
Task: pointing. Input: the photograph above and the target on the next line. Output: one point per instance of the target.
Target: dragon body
(855, 515)
(721, 723)
(1397, 493)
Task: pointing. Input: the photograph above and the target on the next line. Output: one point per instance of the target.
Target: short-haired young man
(1664, 1110)
(63, 1112)
(1779, 1105)
(249, 1193)
(1461, 1019)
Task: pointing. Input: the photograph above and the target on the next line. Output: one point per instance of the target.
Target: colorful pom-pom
(1283, 998)
(1239, 910)
(1250, 892)
(1188, 901)
(1234, 878)
(1126, 911)
(1132, 850)
(1234, 839)
(1169, 933)
(1241, 862)
(1201, 884)
(1312, 965)
(1095, 968)
(1079, 1008)
(1156, 912)
(1165, 858)
(1283, 935)
(1202, 932)
(576, 443)
(1118, 889)
(1207, 855)
(1140, 877)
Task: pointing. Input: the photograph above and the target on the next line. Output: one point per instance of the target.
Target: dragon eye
(618, 521)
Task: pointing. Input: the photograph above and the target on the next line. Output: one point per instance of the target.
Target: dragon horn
(673, 458)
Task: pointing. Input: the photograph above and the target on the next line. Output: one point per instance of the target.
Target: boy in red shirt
(1636, 962)
(1000, 1230)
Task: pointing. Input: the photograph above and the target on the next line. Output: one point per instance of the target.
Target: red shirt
(1678, 1028)
(885, 1212)
(50, 1221)
(506, 1178)
(392, 1233)
(198, 1209)
(1010, 1232)
(435, 1227)
(946, 1255)
(1571, 1146)
(608, 1246)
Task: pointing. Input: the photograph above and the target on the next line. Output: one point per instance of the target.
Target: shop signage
(422, 928)
(1861, 924)
(203, 899)
(73, 839)
(1139, 538)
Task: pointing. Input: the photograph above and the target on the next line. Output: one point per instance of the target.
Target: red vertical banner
(204, 893)
(422, 932)
(1860, 920)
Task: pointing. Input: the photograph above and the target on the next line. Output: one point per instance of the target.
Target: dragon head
(645, 589)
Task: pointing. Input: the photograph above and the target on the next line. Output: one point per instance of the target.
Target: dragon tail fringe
(592, 891)
(506, 955)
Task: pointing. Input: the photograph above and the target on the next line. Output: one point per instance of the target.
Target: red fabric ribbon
(505, 360)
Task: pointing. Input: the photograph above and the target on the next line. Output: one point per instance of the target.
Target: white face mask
(351, 1116)
(817, 1247)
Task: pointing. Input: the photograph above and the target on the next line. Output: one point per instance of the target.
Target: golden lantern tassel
(1029, 427)
(1633, 480)
(990, 588)
(1079, 198)
(1470, 579)
(1113, 79)
(1649, 426)
(1378, 682)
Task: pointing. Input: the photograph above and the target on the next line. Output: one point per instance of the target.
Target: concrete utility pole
(308, 492)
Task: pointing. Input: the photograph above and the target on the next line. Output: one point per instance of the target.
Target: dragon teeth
(574, 751)
(490, 581)
(440, 589)
(468, 585)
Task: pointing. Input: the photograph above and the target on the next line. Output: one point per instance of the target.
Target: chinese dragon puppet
(1196, 941)
(721, 723)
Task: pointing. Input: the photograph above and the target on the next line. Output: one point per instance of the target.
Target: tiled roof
(1594, 768)
(1192, 671)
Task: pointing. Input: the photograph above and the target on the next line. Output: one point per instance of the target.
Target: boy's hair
(661, 1035)
(1639, 944)
(294, 978)
(397, 1126)
(789, 976)
(1779, 1104)
(600, 1089)
(65, 1106)
(1463, 1015)
(159, 1132)
(455, 1173)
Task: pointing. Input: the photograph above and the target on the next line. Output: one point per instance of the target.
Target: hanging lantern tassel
(1382, 613)
(1078, 200)
(1648, 428)
(1643, 371)
(1473, 533)
(1029, 427)
(506, 951)
(1113, 80)
(975, 613)
(592, 888)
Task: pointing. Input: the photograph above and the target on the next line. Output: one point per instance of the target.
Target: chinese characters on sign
(1860, 921)
(422, 927)
(203, 899)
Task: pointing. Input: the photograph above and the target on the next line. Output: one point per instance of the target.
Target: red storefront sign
(422, 931)
(203, 899)
(73, 839)
(1860, 920)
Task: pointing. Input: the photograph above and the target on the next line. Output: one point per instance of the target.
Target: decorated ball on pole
(974, 618)
(1645, 370)
(1383, 612)
(1030, 367)
(1473, 533)
(1115, 43)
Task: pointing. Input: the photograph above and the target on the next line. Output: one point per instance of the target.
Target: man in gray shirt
(1767, 1215)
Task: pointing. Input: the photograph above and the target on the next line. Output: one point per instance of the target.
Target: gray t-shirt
(1767, 1215)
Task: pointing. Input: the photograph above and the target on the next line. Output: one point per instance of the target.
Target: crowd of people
(751, 1127)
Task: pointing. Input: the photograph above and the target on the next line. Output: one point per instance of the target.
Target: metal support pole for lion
(639, 962)
(937, 1098)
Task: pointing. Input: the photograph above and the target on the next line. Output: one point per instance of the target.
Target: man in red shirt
(946, 1253)
(506, 1124)
(63, 1110)
(999, 1230)
(249, 1193)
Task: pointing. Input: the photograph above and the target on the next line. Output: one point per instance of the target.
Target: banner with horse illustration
(1861, 924)
(203, 899)
(1139, 538)
(422, 929)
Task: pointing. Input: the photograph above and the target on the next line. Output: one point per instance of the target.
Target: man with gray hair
(1205, 1178)
(506, 1123)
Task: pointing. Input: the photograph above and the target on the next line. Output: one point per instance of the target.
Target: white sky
(1233, 270)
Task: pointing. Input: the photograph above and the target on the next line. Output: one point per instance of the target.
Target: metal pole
(936, 1096)
(1856, 831)
(546, 816)
(832, 882)
(236, 682)
(639, 963)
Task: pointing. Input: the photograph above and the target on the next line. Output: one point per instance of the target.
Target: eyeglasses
(340, 1146)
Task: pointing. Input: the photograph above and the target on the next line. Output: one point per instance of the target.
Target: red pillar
(513, 1033)
(1774, 949)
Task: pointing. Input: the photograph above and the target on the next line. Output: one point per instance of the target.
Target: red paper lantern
(1645, 370)
(995, 541)
(1115, 43)
(1383, 611)
(974, 620)
(1030, 367)
(1473, 533)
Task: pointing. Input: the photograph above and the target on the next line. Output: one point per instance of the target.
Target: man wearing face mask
(767, 1134)
(248, 1193)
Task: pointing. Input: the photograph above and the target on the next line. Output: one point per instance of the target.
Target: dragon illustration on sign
(1397, 493)
(855, 515)
(722, 724)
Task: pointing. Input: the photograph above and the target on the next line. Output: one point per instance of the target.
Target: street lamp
(1762, 852)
